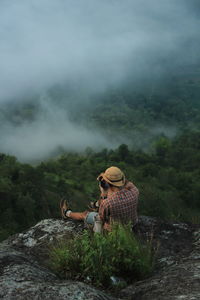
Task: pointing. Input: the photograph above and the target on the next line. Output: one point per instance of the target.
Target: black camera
(104, 184)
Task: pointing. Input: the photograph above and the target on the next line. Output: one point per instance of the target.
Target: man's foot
(64, 208)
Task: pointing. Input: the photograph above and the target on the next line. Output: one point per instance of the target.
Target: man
(118, 203)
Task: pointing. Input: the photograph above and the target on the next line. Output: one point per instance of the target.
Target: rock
(37, 239)
(24, 275)
(177, 272)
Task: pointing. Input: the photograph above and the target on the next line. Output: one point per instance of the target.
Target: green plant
(64, 257)
(100, 256)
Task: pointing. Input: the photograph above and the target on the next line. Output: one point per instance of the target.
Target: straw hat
(114, 176)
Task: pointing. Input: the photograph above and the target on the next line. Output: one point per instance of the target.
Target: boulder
(24, 273)
(177, 268)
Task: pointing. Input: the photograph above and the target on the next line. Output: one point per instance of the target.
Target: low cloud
(87, 47)
(50, 133)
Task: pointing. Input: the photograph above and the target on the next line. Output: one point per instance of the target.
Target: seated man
(118, 203)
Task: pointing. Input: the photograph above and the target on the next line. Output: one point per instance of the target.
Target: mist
(48, 135)
(87, 47)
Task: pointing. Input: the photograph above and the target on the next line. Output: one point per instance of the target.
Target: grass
(97, 257)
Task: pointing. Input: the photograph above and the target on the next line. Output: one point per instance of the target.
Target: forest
(160, 152)
(168, 177)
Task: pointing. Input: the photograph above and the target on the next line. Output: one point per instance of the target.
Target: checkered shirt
(120, 206)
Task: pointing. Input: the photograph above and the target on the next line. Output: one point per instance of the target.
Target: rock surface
(177, 272)
(23, 274)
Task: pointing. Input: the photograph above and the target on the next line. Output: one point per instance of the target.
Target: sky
(88, 45)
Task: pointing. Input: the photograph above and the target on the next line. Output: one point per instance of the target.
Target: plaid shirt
(120, 206)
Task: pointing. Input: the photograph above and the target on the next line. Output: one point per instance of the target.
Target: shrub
(100, 256)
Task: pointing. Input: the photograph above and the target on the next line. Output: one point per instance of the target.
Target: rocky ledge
(24, 275)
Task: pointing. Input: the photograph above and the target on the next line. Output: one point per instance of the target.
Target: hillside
(168, 178)
(134, 113)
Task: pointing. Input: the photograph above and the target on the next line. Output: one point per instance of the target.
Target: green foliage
(168, 178)
(100, 256)
(65, 257)
(168, 175)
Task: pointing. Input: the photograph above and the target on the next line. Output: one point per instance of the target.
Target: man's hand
(94, 206)
(103, 192)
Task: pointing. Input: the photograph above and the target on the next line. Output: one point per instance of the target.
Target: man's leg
(81, 216)
(67, 213)
(77, 215)
(87, 216)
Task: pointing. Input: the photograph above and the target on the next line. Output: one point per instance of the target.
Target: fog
(88, 46)
(47, 136)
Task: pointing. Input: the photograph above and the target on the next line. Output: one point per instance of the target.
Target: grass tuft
(100, 256)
